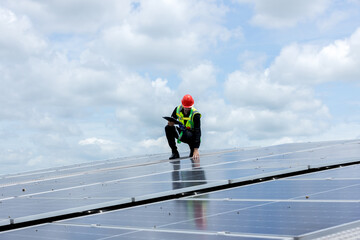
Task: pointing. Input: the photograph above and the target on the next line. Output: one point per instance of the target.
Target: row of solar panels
(280, 209)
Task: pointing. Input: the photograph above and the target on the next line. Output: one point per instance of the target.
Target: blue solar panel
(262, 214)
(278, 209)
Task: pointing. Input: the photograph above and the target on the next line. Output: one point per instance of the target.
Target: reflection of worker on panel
(187, 178)
(195, 209)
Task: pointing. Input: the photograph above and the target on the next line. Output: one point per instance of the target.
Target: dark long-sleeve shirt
(197, 127)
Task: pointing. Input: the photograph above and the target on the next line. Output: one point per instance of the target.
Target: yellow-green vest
(190, 119)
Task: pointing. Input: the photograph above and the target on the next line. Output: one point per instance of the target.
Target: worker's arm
(197, 132)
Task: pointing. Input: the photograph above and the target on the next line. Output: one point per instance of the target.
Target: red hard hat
(187, 101)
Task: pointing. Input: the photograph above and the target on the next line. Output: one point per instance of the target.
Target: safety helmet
(187, 101)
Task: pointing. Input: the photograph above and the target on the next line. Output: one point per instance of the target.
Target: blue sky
(89, 80)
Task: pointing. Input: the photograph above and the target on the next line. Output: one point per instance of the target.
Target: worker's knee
(169, 129)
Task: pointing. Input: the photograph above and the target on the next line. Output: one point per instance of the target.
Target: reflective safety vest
(189, 120)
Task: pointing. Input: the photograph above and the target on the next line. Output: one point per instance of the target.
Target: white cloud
(128, 47)
(18, 39)
(345, 130)
(331, 21)
(89, 80)
(256, 90)
(160, 88)
(82, 16)
(164, 34)
(54, 100)
(252, 61)
(197, 80)
(284, 13)
(311, 64)
(284, 140)
(158, 143)
(260, 111)
(94, 140)
(231, 126)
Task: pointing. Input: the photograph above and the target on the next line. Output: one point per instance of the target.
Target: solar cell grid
(229, 211)
(211, 216)
(278, 209)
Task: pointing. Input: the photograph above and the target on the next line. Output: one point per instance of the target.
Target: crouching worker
(189, 132)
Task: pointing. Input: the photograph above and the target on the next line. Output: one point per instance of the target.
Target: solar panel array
(297, 207)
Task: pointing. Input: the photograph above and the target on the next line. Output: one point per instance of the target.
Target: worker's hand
(171, 124)
(196, 155)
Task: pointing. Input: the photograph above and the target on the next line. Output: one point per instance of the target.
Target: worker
(189, 132)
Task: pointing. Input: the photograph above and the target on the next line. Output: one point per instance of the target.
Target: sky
(87, 80)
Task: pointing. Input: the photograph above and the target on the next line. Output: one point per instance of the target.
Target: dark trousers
(173, 133)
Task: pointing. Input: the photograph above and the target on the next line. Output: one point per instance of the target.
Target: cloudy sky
(88, 80)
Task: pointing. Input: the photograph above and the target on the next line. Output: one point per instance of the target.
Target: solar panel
(285, 208)
(267, 210)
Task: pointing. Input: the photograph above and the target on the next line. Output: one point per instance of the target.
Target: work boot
(174, 155)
